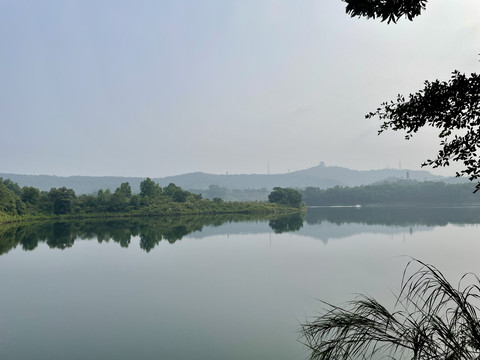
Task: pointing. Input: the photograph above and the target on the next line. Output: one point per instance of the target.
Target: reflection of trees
(151, 231)
(8, 239)
(29, 241)
(283, 224)
(61, 236)
(176, 233)
(149, 239)
(397, 216)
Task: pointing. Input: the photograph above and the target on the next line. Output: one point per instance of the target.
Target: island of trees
(18, 203)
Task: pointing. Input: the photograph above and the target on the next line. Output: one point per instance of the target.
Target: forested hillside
(320, 176)
(393, 193)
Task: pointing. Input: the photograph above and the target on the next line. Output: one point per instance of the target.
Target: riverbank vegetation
(30, 203)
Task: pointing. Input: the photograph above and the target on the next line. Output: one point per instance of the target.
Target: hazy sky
(158, 88)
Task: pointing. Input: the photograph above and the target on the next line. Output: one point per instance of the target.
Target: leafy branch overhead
(453, 107)
(390, 10)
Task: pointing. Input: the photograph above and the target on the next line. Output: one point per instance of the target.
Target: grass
(431, 320)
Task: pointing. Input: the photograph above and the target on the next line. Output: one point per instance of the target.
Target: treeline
(152, 199)
(403, 192)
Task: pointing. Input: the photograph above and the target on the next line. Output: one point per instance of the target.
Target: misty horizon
(268, 172)
(163, 88)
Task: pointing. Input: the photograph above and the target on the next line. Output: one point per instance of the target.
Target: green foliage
(176, 193)
(431, 320)
(6, 218)
(150, 188)
(215, 191)
(205, 206)
(390, 10)
(30, 195)
(152, 201)
(62, 200)
(120, 200)
(10, 201)
(103, 201)
(285, 196)
(406, 192)
(21, 208)
(87, 203)
(45, 204)
(12, 187)
(135, 202)
(7, 200)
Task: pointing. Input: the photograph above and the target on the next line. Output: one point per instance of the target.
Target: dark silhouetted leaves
(451, 106)
(387, 10)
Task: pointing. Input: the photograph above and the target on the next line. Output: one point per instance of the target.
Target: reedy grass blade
(435, 321)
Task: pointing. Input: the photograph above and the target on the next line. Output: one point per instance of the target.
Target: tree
(30, 195)
(285, 196)
(176, 193)
(87, 203)
(13, 186)
(451, 106)
(121, 198)
(62, 200)
(431, 320)
(390, 10)
(149, 188)
(7, 200)
(103, 200)
(124, 191)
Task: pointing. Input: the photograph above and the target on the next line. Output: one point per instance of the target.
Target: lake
(209, 287)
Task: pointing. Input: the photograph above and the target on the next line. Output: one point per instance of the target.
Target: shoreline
(264, 209)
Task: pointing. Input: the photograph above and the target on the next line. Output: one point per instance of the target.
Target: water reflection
(320, 223)
(395, 216)
(286, 223)
(194, 291)
(151, 231)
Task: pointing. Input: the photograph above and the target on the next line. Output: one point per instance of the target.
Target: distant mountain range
(319, 176)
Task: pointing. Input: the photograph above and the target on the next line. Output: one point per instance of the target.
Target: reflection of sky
(329, 231)
(324, 231)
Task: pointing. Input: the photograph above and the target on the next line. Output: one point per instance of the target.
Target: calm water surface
(209, 288)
